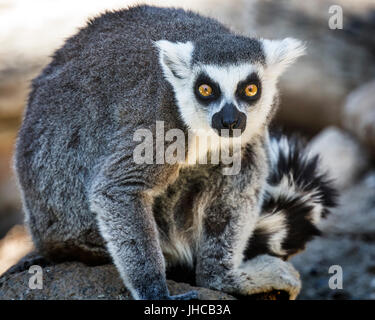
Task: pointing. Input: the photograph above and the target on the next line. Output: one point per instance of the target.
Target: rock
(356, 257)
(76, 281)
(341, 156)
(355, 214)
(348, 241)
(359, 114)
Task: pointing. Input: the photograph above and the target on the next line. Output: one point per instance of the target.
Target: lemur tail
(297, 196)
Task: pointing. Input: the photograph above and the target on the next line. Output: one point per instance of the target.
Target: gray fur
(83, 195)
(237, 49)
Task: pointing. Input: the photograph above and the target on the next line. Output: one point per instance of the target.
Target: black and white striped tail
(297, 196)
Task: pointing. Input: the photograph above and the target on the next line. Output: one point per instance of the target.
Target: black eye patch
(205, 79)
(251, 79)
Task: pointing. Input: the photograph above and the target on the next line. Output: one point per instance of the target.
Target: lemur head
(226, 81)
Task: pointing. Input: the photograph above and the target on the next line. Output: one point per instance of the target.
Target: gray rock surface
(348, 241)
(341, 156)
(356, 257)
(356, 212)
(72, 280)
(358, 114)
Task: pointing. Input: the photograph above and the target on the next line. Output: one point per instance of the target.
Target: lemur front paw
(267, 273)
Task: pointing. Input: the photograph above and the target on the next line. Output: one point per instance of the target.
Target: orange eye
(251, 90)
(205, 90)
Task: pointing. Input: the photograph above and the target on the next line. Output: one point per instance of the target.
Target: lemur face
(225, 81)
(226, 95)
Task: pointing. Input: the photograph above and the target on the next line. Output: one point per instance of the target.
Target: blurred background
(328, 96)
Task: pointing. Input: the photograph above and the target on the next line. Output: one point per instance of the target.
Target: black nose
(229, 117)
(229, 123)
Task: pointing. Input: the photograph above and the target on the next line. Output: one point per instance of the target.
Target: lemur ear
(282, 53)
(175, 58)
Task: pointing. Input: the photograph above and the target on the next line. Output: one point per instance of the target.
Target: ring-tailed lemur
(83, 193)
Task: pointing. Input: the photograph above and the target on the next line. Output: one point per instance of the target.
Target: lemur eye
(251, 90)
(205, 90)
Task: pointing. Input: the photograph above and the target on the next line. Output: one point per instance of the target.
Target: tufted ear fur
(282, 53)
(175, 58)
